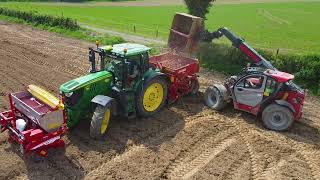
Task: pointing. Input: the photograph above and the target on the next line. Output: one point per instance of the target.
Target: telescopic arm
(241, 45)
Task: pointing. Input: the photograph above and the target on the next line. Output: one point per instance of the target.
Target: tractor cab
(127, 62)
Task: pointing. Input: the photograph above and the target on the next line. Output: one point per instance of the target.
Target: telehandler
(258, 90)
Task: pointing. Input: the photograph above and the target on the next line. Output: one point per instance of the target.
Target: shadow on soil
(55, 166)
(150, 132)
(301, 131)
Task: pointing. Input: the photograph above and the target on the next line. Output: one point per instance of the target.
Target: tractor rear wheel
(100, 121)
(213, 98)
(153, 97)
(277, 118)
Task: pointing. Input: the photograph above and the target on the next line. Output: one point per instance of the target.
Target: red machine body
(35, 136)
(258, 90)
(282, 94)
(182, 72)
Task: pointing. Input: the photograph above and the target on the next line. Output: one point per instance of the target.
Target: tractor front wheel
(213, 98)
(277, 118)
(100, 121)
(153, 97)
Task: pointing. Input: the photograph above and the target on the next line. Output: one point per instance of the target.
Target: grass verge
(290, 26)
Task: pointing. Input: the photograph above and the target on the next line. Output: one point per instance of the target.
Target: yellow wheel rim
(153, 97)
(105, 121)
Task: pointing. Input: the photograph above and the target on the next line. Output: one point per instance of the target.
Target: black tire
(194, 87)
(213, 98)
(97, 119)
(140, 106)
(277, 118)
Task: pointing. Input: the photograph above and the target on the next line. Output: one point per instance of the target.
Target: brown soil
(185, 140)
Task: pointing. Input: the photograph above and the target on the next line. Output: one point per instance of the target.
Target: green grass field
(291, 26)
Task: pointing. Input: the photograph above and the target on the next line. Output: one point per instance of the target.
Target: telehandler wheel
(100, 121)
(213, 98)
(277, 118)
(153, 97)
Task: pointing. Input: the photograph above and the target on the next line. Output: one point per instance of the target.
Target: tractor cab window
(271, 86)
(251, 82)
(136, 64)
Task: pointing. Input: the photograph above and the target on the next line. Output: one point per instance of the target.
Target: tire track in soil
(234, 167)
(307, 155)
(311, 157)
(248, 134)
(204, 151)
(205, 158)
(87, 144)
(156, 137)
(244, 134)
(133, 150)
(271, 169)
(196, 146)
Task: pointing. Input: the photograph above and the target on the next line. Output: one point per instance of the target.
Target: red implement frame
(33, 138)
(181, 71)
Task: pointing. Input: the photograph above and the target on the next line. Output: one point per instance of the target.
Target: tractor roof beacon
(260, 89)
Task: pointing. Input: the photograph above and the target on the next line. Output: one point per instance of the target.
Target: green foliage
(62, 22)
(229, 60)
(295, 28)
(199, 8)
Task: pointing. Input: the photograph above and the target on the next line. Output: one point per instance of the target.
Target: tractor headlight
(68, 94)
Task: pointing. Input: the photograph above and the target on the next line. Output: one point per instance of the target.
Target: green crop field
(291, 26)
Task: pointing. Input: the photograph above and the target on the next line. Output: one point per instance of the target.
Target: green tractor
(124, 85)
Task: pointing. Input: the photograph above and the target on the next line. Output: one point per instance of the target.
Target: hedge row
(62, 22)
(230, 60)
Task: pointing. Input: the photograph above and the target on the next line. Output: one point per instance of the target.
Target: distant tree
(199, 7)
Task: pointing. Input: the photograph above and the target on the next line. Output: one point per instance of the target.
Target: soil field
(184, 141)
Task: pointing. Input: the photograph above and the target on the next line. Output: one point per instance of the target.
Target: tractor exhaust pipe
(92, 59)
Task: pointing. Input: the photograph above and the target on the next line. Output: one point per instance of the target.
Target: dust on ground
(185, 140)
